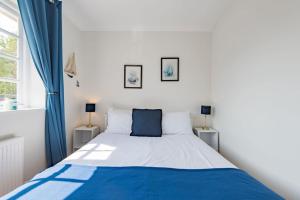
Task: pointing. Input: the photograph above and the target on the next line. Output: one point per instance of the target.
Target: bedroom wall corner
(255, 89)
(73, 95)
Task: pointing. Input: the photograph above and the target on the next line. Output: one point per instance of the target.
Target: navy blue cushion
(146, 123)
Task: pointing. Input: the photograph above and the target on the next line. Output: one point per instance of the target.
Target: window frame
(11, 9)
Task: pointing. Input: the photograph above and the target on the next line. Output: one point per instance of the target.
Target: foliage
(8, 67)
(8, 89)
(8, 44)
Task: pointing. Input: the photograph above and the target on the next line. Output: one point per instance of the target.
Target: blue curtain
(43, 27)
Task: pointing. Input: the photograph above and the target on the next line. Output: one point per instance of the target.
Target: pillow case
(176, 123)
(119, 121)
(146, 122)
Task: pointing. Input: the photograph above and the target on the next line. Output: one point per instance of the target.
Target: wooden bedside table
(209, 136)
(83, 135)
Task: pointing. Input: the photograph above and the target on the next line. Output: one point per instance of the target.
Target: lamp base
(89, 125)
(205, 128)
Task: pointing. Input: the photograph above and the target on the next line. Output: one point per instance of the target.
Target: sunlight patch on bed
(105, 147)
(76, 155)
(88, 147)
(68, 189)
(68, 174)
(98, 155)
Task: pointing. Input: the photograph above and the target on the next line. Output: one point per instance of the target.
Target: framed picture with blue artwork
(133, 76)
(170, 69)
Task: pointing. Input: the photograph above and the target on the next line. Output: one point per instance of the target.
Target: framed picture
(133, 76)
(170, 69)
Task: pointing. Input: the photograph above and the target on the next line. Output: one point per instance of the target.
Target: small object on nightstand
(83, 135)
(205, 110)
(210, 136)
(90, 107)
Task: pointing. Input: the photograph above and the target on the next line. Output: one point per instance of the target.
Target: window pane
(8, 44)
(8, 96)
(8, 68)
(8, 21)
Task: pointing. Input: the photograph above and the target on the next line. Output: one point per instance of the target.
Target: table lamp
(90, 107)
(205, 110)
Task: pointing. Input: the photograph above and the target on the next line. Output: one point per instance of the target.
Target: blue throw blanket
(130, 183)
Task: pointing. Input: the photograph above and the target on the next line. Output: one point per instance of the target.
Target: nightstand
(209, 136)
(83, 135)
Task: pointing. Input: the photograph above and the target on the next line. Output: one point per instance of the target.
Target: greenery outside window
(10, 55)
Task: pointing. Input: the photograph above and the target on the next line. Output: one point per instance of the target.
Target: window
(10, 55)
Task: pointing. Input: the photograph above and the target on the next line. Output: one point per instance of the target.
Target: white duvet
(172, 151)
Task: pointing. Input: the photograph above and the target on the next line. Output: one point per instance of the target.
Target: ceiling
(144, 15)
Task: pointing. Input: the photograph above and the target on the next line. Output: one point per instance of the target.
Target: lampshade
(90, 107)
(205, 110)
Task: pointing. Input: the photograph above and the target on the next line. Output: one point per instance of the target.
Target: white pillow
(176, 123)
(119, 121)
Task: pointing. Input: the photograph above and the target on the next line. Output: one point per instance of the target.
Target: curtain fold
(42, 21)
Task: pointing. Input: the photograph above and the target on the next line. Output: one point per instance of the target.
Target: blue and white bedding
(181, 151)
(117, 166)
(145, 183)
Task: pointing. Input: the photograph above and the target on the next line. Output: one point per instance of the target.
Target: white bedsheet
(172, 151)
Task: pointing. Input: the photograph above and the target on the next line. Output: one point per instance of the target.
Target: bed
(118, 166)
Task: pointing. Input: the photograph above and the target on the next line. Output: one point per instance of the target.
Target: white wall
(33, 93)
(256, 90)
(105, 54)
(30, 125)
(73, 96)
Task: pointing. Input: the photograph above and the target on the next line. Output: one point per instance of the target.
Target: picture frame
(133, 76)
(169, 69)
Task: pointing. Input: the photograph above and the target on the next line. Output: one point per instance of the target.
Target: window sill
(22, 110)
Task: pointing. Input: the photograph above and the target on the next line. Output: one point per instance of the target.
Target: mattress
(169, 151)
(118, 166)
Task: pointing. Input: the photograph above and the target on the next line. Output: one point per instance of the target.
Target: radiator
(11, 164)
